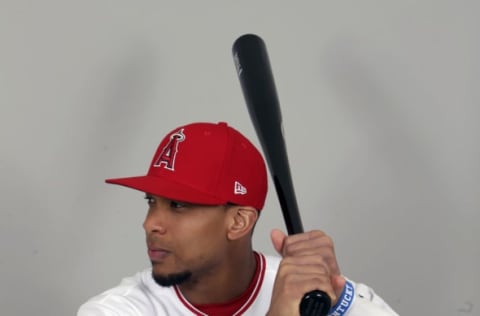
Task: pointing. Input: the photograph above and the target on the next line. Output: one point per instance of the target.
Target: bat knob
(315, 303)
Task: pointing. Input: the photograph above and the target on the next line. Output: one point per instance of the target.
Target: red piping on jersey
(253, 288)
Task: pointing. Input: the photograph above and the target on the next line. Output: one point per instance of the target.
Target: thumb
(338, 283)
(278, 238)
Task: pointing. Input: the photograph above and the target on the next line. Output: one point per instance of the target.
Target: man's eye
(176, 204)
(150, 200)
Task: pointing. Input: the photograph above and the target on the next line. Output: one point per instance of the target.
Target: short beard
(172, 279)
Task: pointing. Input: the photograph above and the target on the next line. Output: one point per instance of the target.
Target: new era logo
(239, 188)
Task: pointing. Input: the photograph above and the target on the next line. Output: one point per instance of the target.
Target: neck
(226, 283)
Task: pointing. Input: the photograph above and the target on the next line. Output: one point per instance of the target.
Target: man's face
(185, 242)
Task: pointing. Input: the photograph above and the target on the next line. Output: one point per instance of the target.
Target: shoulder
(135, 295)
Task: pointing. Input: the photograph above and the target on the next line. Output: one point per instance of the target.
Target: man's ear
(242, 221)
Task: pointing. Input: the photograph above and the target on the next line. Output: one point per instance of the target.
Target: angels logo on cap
(204, 163)
(167, 155)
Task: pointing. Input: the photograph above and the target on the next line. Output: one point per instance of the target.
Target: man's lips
(157, 254)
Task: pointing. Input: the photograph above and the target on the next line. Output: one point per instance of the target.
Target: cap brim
(167, 188)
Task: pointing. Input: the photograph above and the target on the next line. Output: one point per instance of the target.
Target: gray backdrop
(380, 102)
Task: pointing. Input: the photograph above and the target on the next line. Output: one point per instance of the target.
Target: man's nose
(156, 220)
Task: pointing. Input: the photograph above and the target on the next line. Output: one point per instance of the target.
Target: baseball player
(205, 189)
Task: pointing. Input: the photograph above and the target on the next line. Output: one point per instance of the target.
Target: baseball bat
(258, 87)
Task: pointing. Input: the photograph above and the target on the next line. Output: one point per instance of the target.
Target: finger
(278, 238)
(302, 261)
(326, 255)
(338, 283)
(312, 244)
(299, 267)
(307, 236)
(308, 241)
(306, 271)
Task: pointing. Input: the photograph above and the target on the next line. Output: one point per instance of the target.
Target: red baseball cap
(205, 163)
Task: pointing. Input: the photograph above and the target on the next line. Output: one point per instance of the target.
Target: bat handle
(315, 303)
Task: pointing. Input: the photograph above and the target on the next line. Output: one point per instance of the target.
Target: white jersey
(141, 296)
